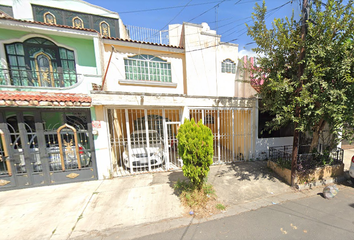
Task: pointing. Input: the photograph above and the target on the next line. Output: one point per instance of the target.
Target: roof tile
(44, 96)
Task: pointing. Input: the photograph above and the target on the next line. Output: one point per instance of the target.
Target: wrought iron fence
(148, 34)
(41, 78)
(306, 160)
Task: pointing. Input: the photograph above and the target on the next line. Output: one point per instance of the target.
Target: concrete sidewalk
(130, 207)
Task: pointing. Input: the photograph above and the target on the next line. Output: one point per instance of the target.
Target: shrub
(195, 147)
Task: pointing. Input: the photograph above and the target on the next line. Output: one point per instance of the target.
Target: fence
(306, 160)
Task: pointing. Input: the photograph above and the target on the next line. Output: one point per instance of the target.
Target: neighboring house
(264, 138)
(151, 88)
(50, 57)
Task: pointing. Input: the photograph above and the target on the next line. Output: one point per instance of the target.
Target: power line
(164, 8)
(207, 10)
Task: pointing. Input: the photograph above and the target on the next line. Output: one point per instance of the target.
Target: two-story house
(50, 56)
(149, 89)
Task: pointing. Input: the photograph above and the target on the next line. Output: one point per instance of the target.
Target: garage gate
(232, 132)
(144, 140)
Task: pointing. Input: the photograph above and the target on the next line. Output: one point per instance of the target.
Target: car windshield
(140, 138)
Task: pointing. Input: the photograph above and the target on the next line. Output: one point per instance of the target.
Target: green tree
(324, 92)
(195, 146)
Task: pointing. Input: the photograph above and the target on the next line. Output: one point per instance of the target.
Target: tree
(195, 146)
(324, 93)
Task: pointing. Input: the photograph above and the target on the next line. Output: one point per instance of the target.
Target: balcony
(43, 78)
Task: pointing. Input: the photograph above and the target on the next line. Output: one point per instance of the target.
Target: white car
(139, 154)
(351, 170)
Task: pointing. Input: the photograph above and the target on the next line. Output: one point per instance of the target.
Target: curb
(322, 182)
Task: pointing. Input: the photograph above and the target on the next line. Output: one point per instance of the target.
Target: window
(147, 68)
(49, 18)
(39, 62)
(78, 23)
(104, 29)
(228, 66)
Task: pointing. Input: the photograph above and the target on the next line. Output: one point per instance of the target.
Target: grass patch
(220, 207)
(202, 202)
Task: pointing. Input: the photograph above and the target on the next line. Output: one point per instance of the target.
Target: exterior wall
(204, 54)
(23, 10)
(116, 80)
(85, 57)
(104, 163)
(263, 144)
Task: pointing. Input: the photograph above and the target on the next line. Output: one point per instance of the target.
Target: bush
(195, 147)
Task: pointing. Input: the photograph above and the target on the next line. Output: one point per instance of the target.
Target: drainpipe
(105, 74)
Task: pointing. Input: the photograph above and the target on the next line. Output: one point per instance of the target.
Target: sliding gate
(45, 146)
(232, 132)
(143, 140)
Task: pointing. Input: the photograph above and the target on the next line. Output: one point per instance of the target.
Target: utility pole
(298, 90)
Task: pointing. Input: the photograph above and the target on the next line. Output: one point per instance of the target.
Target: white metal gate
(143, 140)
(232, 130)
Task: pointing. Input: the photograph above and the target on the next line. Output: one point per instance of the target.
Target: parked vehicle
(351, 170)
(53, 153)
(140, 153)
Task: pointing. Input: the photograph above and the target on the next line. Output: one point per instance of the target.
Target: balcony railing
(148, 35)
(23, 77)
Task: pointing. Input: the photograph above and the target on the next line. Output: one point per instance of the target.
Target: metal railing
(148, 34)
(306, 160)
(24, 77)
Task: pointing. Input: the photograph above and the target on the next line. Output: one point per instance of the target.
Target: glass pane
(19, 49)
(21, 61)
(13, 61)
(70, 55)
(10, 49)
(62, 53)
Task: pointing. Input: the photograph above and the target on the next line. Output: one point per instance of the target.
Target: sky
(227, 17)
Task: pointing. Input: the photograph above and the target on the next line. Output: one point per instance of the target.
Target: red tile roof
(6, 17)
(135, 41)
(37, 98)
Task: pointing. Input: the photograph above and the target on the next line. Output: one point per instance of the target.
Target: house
(150, 88)
(50, 57)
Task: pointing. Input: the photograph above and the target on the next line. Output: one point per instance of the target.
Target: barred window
(228, 66)
(39, 62)
(147, 68)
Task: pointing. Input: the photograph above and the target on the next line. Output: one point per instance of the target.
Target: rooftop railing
(148, 35)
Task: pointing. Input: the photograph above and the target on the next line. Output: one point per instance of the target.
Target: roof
(21, 98)
(6, 17)
(135, 41)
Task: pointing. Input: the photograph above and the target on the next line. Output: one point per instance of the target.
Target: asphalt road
(308, 218)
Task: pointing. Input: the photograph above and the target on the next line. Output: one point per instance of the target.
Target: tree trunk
(316, 134)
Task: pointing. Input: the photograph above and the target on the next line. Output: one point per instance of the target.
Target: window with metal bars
(39, 62)
(147, 68)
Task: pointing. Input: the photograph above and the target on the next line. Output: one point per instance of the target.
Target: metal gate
(43, 147)
(232, 132)
(143, 140)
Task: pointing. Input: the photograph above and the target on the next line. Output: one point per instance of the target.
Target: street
(308, 218)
